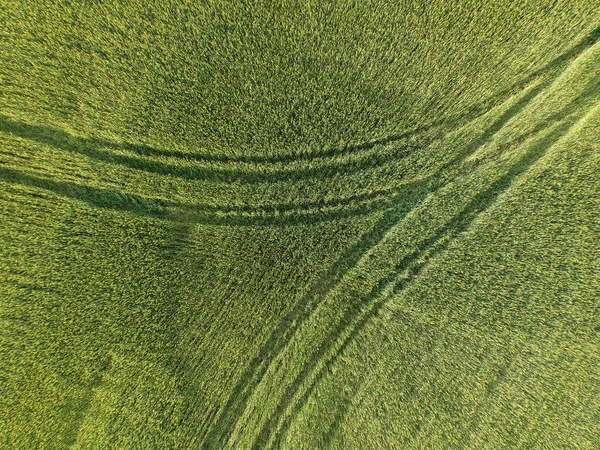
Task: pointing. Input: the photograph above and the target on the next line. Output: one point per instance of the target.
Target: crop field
(300, 224)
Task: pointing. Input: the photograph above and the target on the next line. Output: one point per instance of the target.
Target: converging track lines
(408, 268)
(481, 202)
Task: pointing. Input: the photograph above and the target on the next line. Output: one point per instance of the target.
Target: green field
(300, 225)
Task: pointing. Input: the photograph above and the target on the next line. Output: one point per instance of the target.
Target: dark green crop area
(362, 224)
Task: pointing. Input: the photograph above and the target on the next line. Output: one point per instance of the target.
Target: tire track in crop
(569, 117)
(378, 194)
(332, 152)
(95, 149)
(283, 334)
(109, 198)
(62, 139)
(589, 93)
(266, 215)
(353, 206)
(281, 423)
(311, 212)
(221, 430)
(411, 265)
(555, 64)
(46, 134)
(132, 203)
(490, 194)
(478, 110)
(278, 214)
(209, 214)
(214, 215)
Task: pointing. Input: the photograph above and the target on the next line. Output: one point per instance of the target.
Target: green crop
(358, 224)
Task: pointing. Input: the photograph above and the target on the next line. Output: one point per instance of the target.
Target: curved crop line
(59, 138)
(307, 212)
(332, 152)
(288, 326)
(268, 215)
(245, 215)
(360, 204)
(378, 194)
(482, 200)
(93, 148)
(477, 110)
(353, 206)
(307, 217)
(238, 399)
(426, 251)
(512, 112)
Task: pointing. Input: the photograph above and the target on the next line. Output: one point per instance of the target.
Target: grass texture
(300, 225)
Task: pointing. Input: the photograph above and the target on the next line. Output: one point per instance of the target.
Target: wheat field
(300, 224)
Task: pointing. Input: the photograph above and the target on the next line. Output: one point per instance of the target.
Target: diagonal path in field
(572, 113)
(286, 336)
(410, 268)
(464, 218)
